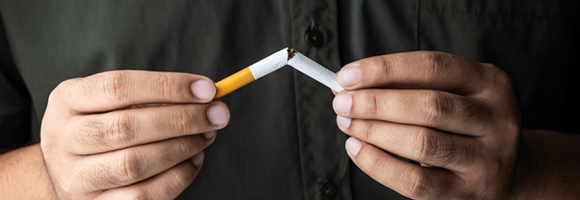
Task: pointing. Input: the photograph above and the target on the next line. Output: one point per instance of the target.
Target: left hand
(457, 117)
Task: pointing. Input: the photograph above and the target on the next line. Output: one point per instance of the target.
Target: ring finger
(421, 144)
(435, 109)
(124, 128)
(131, 165)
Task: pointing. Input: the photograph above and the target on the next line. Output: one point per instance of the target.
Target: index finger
(120, 89)
(422, 69)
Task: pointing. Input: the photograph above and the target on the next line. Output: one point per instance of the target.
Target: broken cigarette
(286, 56)
(315, 71)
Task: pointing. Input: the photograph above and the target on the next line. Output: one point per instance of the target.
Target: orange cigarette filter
(233, 82)
(253, 72)
(287, 56)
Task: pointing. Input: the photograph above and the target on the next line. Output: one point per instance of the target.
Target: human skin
(545, 166)
(118, 135)
(459, 119)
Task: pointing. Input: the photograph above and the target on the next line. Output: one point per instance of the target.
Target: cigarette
(315, 71)
(286, 56)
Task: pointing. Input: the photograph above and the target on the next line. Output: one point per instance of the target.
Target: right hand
(129, 134)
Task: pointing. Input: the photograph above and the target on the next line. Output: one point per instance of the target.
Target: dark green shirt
(282, 141)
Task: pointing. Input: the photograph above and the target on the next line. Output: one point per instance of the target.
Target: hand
(129, 134)
(458, 118)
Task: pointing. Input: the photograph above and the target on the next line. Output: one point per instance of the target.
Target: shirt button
(314, 37)
(328, 191)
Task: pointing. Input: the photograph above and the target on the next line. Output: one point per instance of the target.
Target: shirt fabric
(282, 141)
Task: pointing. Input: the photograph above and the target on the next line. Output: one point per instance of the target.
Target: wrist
(24, 175)
(546, 166)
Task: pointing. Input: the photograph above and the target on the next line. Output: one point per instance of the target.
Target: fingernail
(218, 114)
(343, 122)
(342, 103)
(203, 89)
(197, 159)
(353, 146)
(209, 135)
(349, 76)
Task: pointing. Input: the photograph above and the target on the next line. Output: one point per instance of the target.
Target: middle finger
(421, 144)
(435, 109)
(124, 128)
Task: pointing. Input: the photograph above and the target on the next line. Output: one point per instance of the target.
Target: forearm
(547, 166)
(23, 175)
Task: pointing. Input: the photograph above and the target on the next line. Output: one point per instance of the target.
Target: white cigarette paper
(270, 64)
(299, 62)
(315, 71)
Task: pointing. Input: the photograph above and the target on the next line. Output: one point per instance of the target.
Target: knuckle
(446, 154)
(471, 111)
(418, 186)
(185, 120)
(57, 91)
(497, 78)
(435, 105)
(431, 149)
(119, 129)
(164, 86)
(380, 66)
(379, 166)
(424, 149)
(504, 80)
(372, 105)
(128, 168)
(439, 107)
(61, 90)
(433, 62)
(179, 183)
(496, 71)
(89, 132)
(184, 146)
(370, 129)
(99, 176)
(54, 96)
(114, 85)
(441, 149)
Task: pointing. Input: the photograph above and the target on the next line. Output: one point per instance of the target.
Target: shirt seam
(488, 13)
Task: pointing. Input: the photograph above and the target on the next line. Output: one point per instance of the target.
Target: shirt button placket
(328, 190)
(322, 159)
(314, 37)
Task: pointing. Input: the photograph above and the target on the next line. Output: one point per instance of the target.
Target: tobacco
(291, 53)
